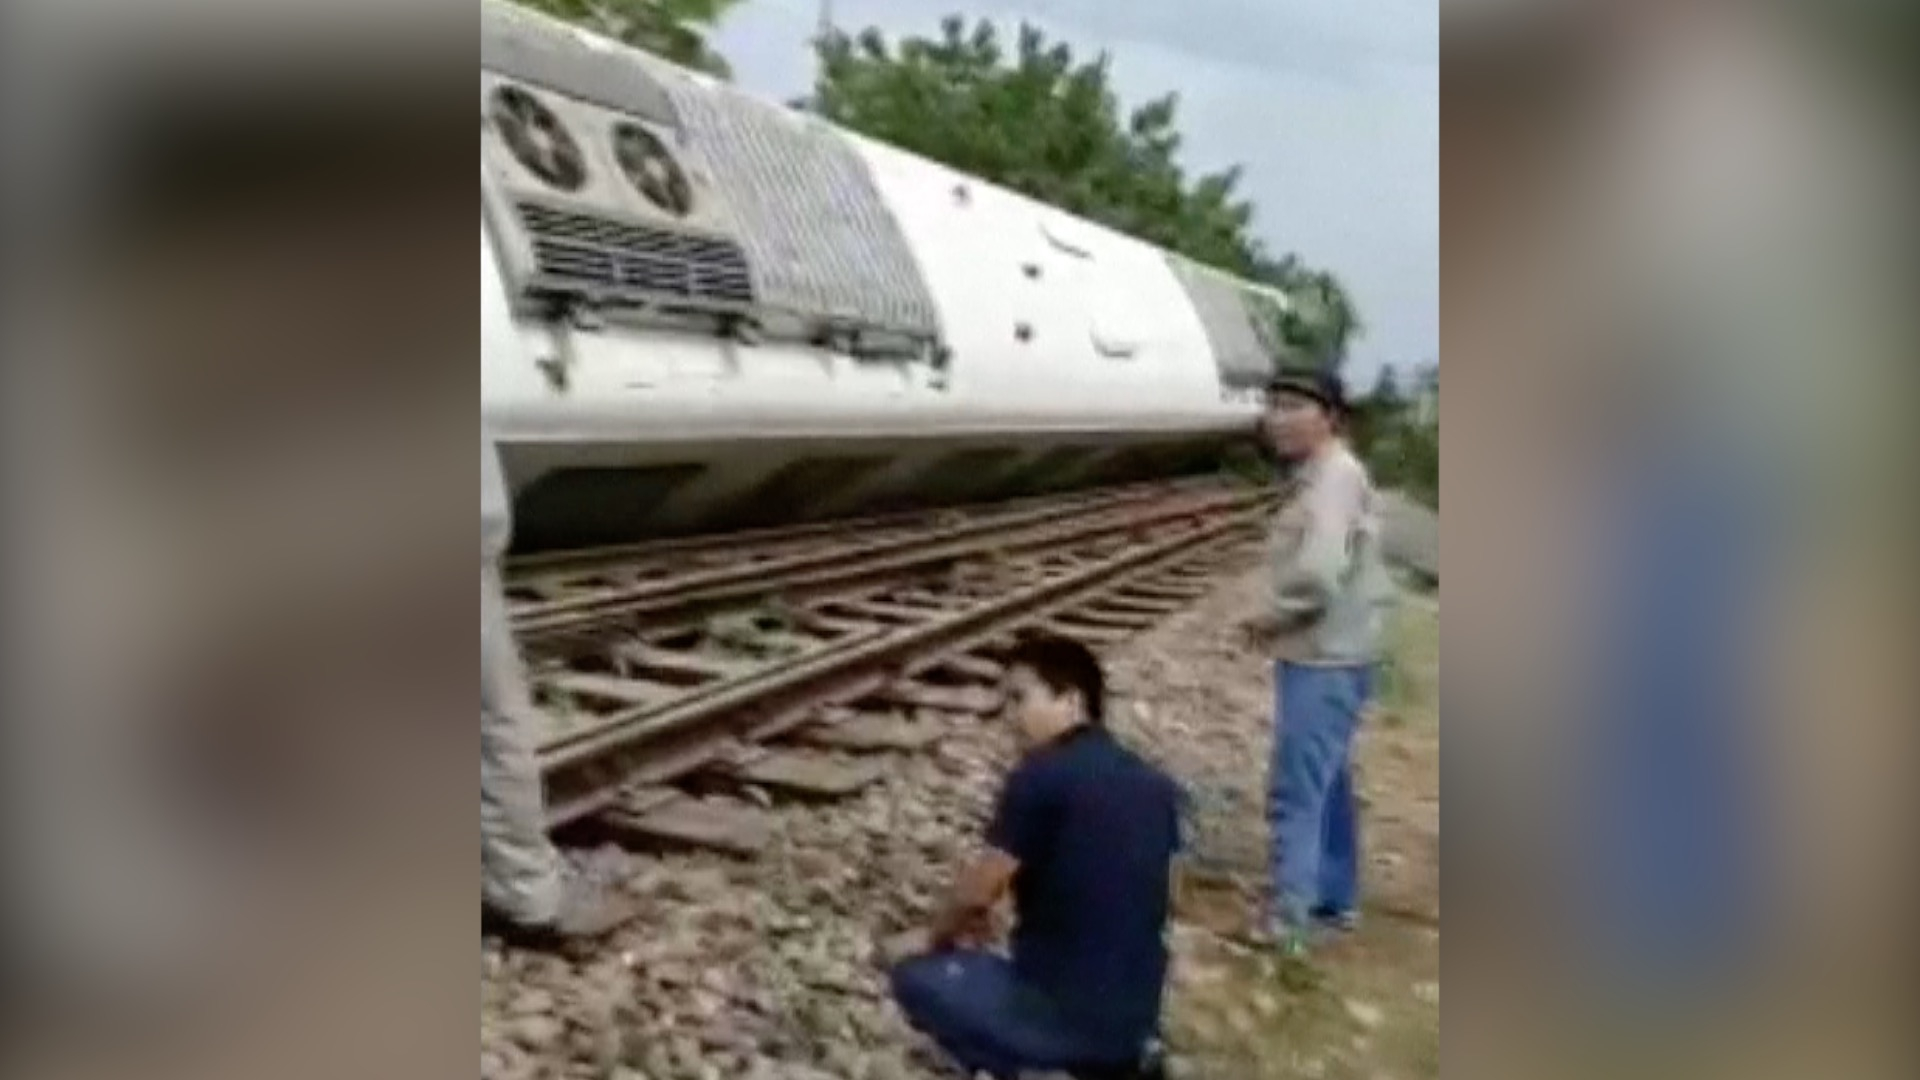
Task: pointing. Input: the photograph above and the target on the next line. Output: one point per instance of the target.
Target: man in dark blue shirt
(1084, 836)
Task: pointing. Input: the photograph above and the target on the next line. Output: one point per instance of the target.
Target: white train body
(754, 317)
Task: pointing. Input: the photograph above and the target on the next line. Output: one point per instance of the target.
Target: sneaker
(1274, 935)
(1289, 941)
(1343, 922)
(1153, 1061)
(587, 913)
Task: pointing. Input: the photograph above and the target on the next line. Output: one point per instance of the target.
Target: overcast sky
(1333, 107)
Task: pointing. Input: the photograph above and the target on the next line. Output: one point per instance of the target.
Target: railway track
(655, 557)
(784, 661)
(583, 596)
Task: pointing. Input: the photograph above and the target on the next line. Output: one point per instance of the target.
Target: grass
(1409, 681)
(765, 632)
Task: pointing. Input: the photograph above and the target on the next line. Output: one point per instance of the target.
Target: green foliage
(764, 632)
(1243, 463)
(672, 29)
(1379, 416)
(1396, 430)
(1321, 321)
(1034, 118)
(1421, 468)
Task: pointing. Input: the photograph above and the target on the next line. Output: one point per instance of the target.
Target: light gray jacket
(1331, 592)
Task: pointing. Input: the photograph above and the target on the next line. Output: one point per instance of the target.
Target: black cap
(1323, 386)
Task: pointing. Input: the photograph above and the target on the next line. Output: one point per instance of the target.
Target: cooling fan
(652, 170)
(537, 139)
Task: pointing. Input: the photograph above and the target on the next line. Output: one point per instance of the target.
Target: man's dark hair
(1323, 386)
(1063, 664)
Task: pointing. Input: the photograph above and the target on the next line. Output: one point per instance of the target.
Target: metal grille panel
(541, 52)
(573, 249)
(820, 239)
(790, 220)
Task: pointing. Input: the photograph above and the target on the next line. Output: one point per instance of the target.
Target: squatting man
(1083, 836)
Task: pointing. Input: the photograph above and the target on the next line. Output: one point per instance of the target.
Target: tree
(1325, 319)
(1423, 450)
(671, 29)
(1322, 321)
(1377, 416)
(1398, 440)
(1422, 456)
(1036, 120)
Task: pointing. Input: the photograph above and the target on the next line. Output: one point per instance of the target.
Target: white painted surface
(975, 250)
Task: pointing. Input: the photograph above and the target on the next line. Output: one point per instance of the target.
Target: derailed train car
(704, 311)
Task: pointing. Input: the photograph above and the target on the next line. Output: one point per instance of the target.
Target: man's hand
(1260, 631)
(971, 933)
(903, 947)
(971, 930)
(967, 917)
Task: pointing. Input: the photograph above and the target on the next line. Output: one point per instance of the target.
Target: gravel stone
(766, 969)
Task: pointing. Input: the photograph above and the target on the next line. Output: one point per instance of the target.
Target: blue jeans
(1316, 832)
(976, 1008)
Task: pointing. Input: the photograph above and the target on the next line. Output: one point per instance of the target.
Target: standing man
(524, 882)
(1324, 621)
(1084, 837)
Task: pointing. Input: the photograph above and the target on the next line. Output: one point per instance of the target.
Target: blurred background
(239, 394)
(1678, 269)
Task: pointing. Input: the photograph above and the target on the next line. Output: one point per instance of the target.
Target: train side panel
(741, 364)
(1048, 315)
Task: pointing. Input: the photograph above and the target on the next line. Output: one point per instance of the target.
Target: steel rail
(588, 769)
(774, 541)
(804, 573)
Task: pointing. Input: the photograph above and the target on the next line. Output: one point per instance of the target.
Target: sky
(1332, 107)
